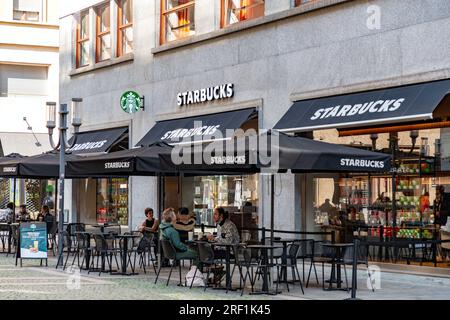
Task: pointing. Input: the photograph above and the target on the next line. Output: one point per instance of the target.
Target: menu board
(33, 241)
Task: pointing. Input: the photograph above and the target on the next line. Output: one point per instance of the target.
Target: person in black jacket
(441, 206)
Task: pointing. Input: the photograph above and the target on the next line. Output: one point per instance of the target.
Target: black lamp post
(63, 146)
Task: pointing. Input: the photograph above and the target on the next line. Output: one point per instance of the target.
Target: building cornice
(25, 64)
(29, 46)
(30, 24)
(103, 64)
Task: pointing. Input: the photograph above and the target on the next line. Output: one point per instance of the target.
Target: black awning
(306, 155)
(97, 141)
(274, 152)
(144, 161)
(207, 127)
(45, 165)
(384, 106)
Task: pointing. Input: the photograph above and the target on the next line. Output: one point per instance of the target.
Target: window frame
(164, 13)
(25, 13)
(100, 34)
(121, 27)
(79, 40)
(224, 10)
(299, 3)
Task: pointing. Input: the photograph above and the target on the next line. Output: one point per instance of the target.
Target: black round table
(265, 248)
(125, 238)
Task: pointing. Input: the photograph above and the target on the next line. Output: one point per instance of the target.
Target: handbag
(199, 280)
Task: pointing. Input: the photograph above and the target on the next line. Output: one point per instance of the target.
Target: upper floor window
(125, 27)
(177, 19)
(103, 33)
(300, 2)
(27, 10)
(82, 50)
(234, 11)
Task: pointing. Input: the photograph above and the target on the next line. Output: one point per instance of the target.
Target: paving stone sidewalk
(35, 282)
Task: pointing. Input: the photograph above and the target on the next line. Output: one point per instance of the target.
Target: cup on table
(190, 235)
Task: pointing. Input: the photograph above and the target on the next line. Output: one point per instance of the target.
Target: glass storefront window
(237, 194)
(209, 192)
(349, 203)
(112, 200)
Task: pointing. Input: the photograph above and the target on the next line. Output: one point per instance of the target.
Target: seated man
(168, 232)
(23, 214)
(227, 232)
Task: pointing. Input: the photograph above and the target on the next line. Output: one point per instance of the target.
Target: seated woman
(168, 232)
(149, 227)
(150, 224)
(184, 223)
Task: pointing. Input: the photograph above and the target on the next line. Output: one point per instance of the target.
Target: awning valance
(408, 103)
(199, 128)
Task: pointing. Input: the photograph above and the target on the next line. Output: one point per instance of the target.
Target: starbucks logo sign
(130, 102)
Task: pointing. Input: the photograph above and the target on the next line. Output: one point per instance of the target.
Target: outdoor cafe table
(339, 249)
(125, 238)
(265, 248)
(89, 236)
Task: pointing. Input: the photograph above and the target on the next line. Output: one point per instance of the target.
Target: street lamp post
(63, 146)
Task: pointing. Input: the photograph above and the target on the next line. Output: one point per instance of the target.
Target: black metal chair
(73, 228)
(249, 259)
(169, 252)
(14, 238)
(83, 247)
(290, 262)
(208, 262)
(152, 252)
(52, 237)
(144, 251)
(306, 252)
(277, 255)
(4, 234)
(67, 246)
(361, 259)
(322, 255)
(104, 251)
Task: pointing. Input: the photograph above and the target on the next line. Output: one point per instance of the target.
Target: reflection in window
(112, 200)
(234, 11)
(103, 48)
(177, 19)
(125, 27)
(205, 193)
(83, 40)
(27, 10)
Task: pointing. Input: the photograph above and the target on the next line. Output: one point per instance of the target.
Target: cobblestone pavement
(35, 282)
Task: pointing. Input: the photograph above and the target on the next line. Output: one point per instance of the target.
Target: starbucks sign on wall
(131, 102)
(224, 91)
